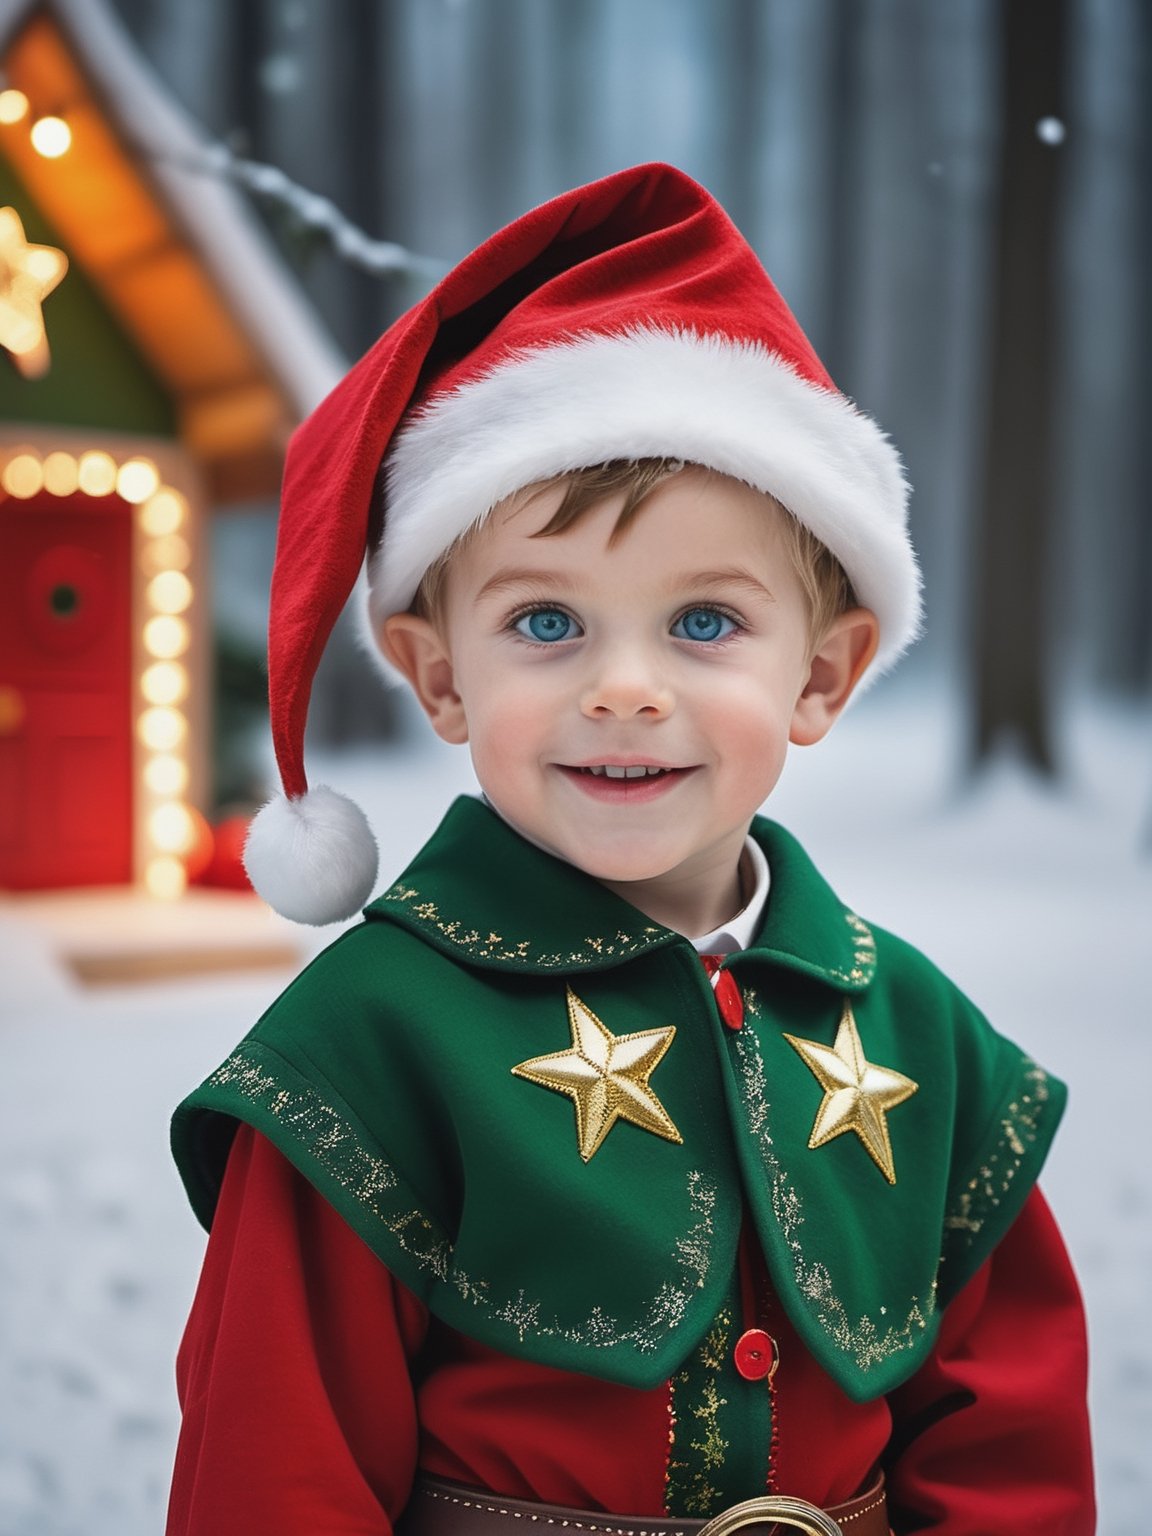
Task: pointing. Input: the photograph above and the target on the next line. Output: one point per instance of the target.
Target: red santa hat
(623, 320)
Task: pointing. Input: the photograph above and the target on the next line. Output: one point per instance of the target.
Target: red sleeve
(293, 1373)
(992, 1433)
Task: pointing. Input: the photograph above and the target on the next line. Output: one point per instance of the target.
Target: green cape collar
(448, 897)
(393, 1066)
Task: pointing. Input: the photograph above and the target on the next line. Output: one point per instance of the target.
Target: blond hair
(827, 589)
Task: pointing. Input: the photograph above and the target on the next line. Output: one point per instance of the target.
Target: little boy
(611, 1173)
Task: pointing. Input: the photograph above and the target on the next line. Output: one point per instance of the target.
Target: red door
(65, 691)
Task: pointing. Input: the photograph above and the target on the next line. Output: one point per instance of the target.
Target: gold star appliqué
(605, 1076)
(857, 1093)
(28, 274)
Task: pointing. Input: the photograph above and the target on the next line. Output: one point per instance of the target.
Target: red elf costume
(434, 1296)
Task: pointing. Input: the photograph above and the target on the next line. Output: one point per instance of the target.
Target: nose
(626, 681)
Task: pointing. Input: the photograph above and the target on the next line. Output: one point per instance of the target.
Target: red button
(728, 999)
(755, 1355)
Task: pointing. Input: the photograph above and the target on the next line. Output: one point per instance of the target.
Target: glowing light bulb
(166, 637)
(172, 828)
(162, 728)
(61, 474)
(13, 106)
(170, 592)
(97, 473)
(170, 553)
(23, 476)
(165, 878)
(162, 513)
(166, 775)
(164, 682)
(137, 479)
(51, 137)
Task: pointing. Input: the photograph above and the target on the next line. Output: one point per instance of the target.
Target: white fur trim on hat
(314, 858)
(732, 406)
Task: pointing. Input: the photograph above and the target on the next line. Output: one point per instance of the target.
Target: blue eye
(546, 624)
(703, 624)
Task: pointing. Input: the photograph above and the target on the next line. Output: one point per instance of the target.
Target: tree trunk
(1135, 663)
(846, 105)
(1016, 523)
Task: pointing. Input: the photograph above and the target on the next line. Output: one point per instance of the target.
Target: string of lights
(51, 137)
(162, 599)
(313, 212)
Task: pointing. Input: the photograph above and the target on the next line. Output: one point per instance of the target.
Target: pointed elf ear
(840, 660)
(416, 647)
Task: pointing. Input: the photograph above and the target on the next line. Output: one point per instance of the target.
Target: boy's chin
(629, 858)
(624, 866)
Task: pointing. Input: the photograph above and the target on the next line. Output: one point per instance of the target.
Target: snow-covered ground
(1037, 901)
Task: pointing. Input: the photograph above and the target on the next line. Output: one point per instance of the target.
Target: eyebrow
(693, 581)
(505, 580)
(727, 576)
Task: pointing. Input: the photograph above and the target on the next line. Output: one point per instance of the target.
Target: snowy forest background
(955, 196)
(938, 189)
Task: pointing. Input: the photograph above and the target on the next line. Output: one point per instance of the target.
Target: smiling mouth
(624, 784)
(614, 771)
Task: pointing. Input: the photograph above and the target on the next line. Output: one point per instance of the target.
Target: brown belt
(439, 1508)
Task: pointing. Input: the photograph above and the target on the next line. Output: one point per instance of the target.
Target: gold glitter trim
(689, 1489)
(370, 1180)
(692, 1258)
(863, 966)
(373, 1183)
(986, 1189)
(866, 1341)
(494, 946)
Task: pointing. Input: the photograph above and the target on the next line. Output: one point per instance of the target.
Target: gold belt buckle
(773, 1508)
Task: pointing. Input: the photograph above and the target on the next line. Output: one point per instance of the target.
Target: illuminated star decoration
(856, 1092)
(605, 1076)
(28, 274)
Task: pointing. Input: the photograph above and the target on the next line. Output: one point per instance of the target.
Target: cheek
(505, 730)
(750, 721)
(758, 749)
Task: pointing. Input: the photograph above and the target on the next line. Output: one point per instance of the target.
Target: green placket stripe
(721, 1425)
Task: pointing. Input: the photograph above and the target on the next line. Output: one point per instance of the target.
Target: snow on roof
(214, 218)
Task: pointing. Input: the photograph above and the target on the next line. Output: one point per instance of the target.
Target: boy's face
(629, 705)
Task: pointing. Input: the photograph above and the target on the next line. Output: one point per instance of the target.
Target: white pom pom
(313, 859)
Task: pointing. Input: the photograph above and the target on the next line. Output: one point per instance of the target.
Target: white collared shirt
(739, 931)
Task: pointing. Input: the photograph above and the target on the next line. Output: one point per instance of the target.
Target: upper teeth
(613, 772)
